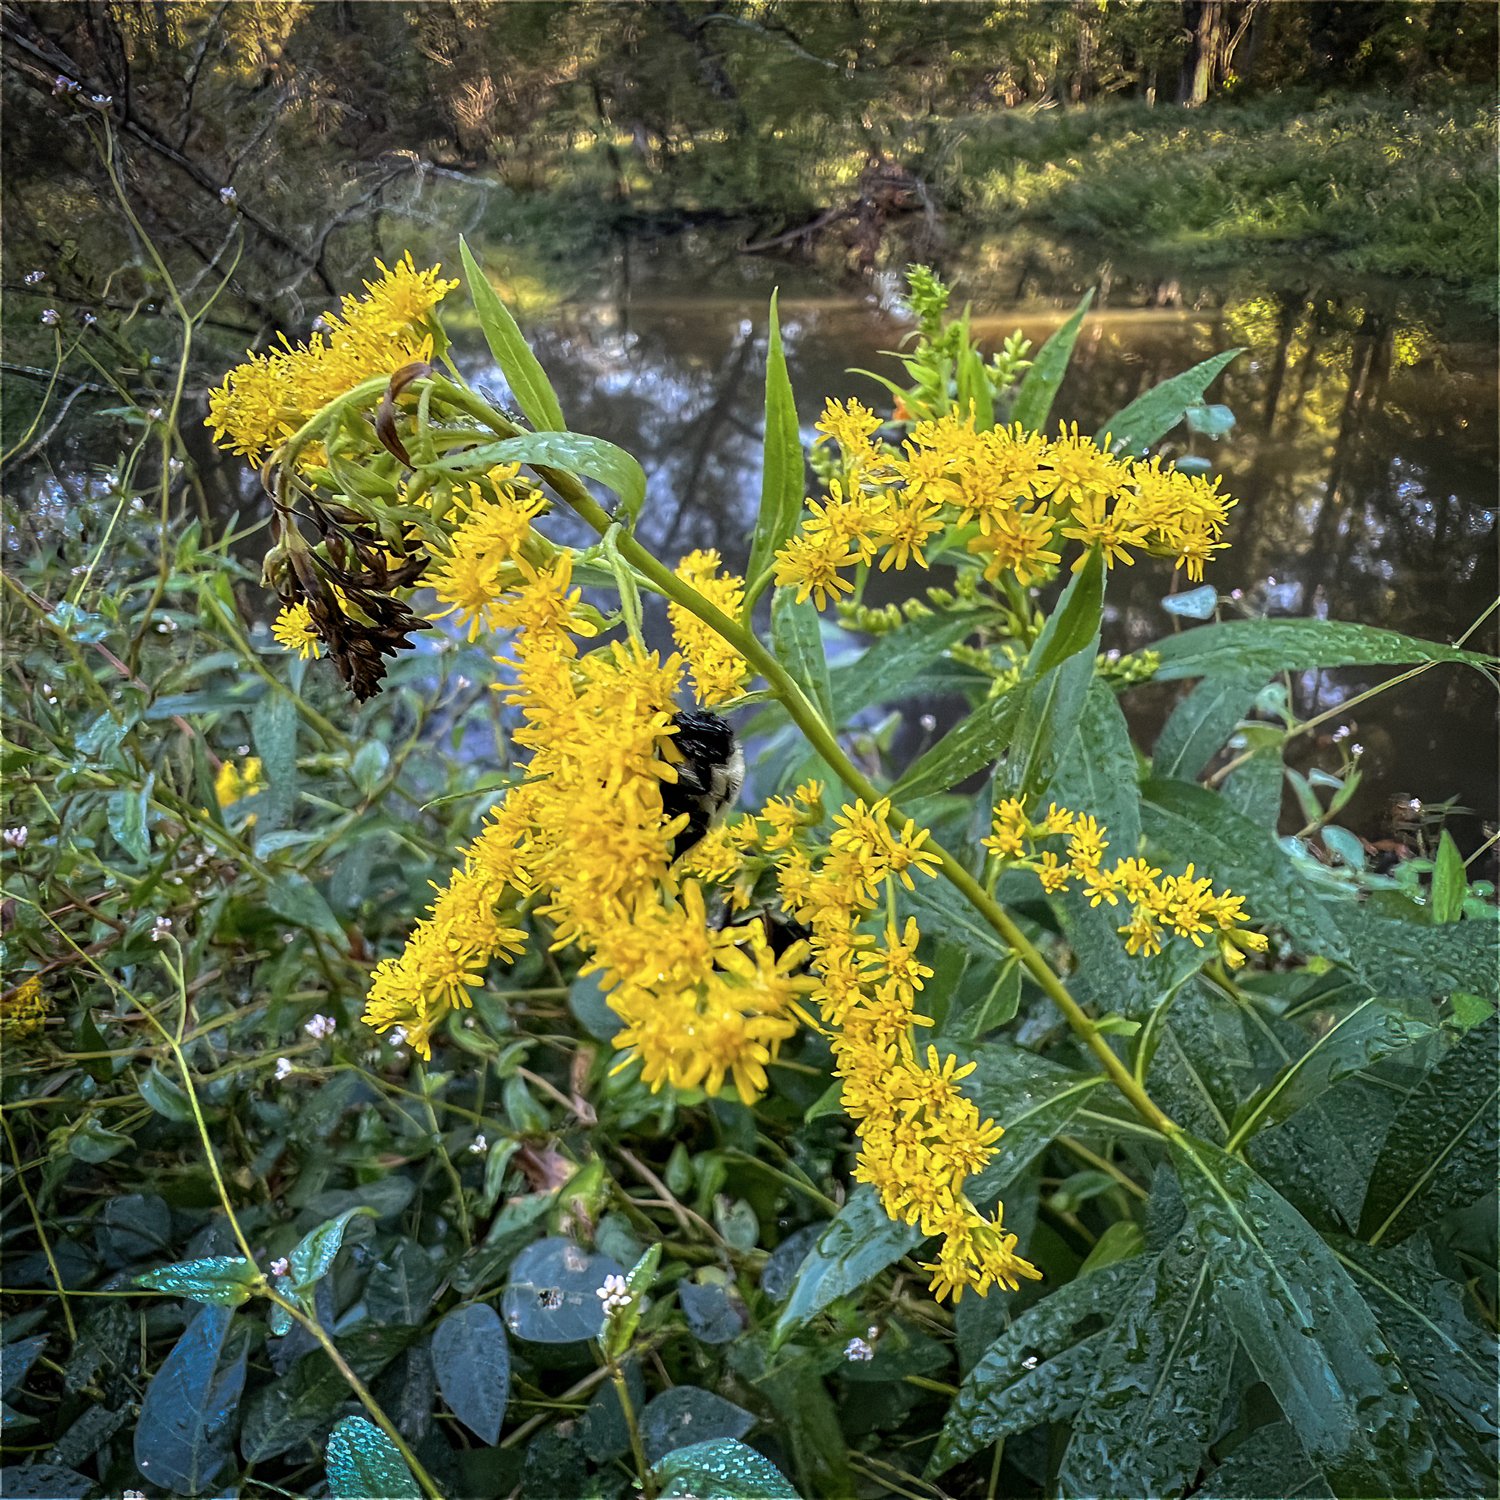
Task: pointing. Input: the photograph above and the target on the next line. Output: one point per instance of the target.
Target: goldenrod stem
(821, 737)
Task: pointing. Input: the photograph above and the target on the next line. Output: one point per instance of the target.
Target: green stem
(822, 739)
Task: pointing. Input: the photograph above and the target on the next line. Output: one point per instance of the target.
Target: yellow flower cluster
(235, 783)
(293, 629)
(265, 400)
(1022, 494)
(1183, 905)
(921, 1137)
(719, 672)
(23, 1011)
(586, 838)
(485, 559)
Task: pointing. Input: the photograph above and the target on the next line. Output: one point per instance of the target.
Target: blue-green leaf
(522, 370)
(472, 1360)
(721, 1469)
(364, 1464)
(225, 1279)
(185, 1433)
(688, 1414)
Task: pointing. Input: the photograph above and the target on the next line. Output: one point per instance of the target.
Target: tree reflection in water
(1363, 458)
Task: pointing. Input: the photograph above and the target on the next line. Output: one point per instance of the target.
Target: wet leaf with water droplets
(1039, 1369)
(364, 1464)
(1308, 1331)
(1440, 1150)
(722, 1469)
(1158, 1386)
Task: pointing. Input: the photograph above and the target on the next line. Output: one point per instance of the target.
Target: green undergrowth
(1379, 185)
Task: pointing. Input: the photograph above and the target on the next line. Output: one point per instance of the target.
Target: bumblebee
(710, 772)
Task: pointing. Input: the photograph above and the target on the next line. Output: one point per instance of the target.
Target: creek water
(1363, 456)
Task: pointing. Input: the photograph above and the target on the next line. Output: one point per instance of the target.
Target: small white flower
(34, 278)
(61, 85)
(1030, 1362)
(51, 317)
(1356, 749)
(320, 1027)
(227, 195)
(858, 1351)
(90, 319)
(160, 928)
(462, 682)
(1341, 733)
(283, 1068)
(101, 101)
(928, 722)
(280, 1267)
(478, 1146)
(396, 1036)
(135, 1495)
(16, 838)
(614, 1294)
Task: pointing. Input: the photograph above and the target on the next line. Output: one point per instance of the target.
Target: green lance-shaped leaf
(858, 1244)
(185, 1433)
(128, 812)
(225, 1279)
(1271, 646)
(721, 1469)
(1150, 417)
(1365, 1033)
(575, 452)
(1307, 1330)
(1033, 718)
(1073, 625)
(1159, 1378)
(1450, 1356)
(1199, 725)
(1038, 1369)
(472, 1359)
(1406, 958)
(1439, 1152)
(1268, 1462)
(364, 1464)
(1097, 770)
(781, 472)
(797, 639)
(522, 370)
(1033, 403)
(1190, 824)
(1449, 883)
(894, 660)
(316, 1251)
(976, 740)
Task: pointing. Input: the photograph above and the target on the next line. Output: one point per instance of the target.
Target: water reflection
(1364, 456)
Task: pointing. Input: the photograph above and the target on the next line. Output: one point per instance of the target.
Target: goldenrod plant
(1014, 1105)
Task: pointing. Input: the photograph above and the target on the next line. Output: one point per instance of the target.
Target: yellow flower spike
(719, 672)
